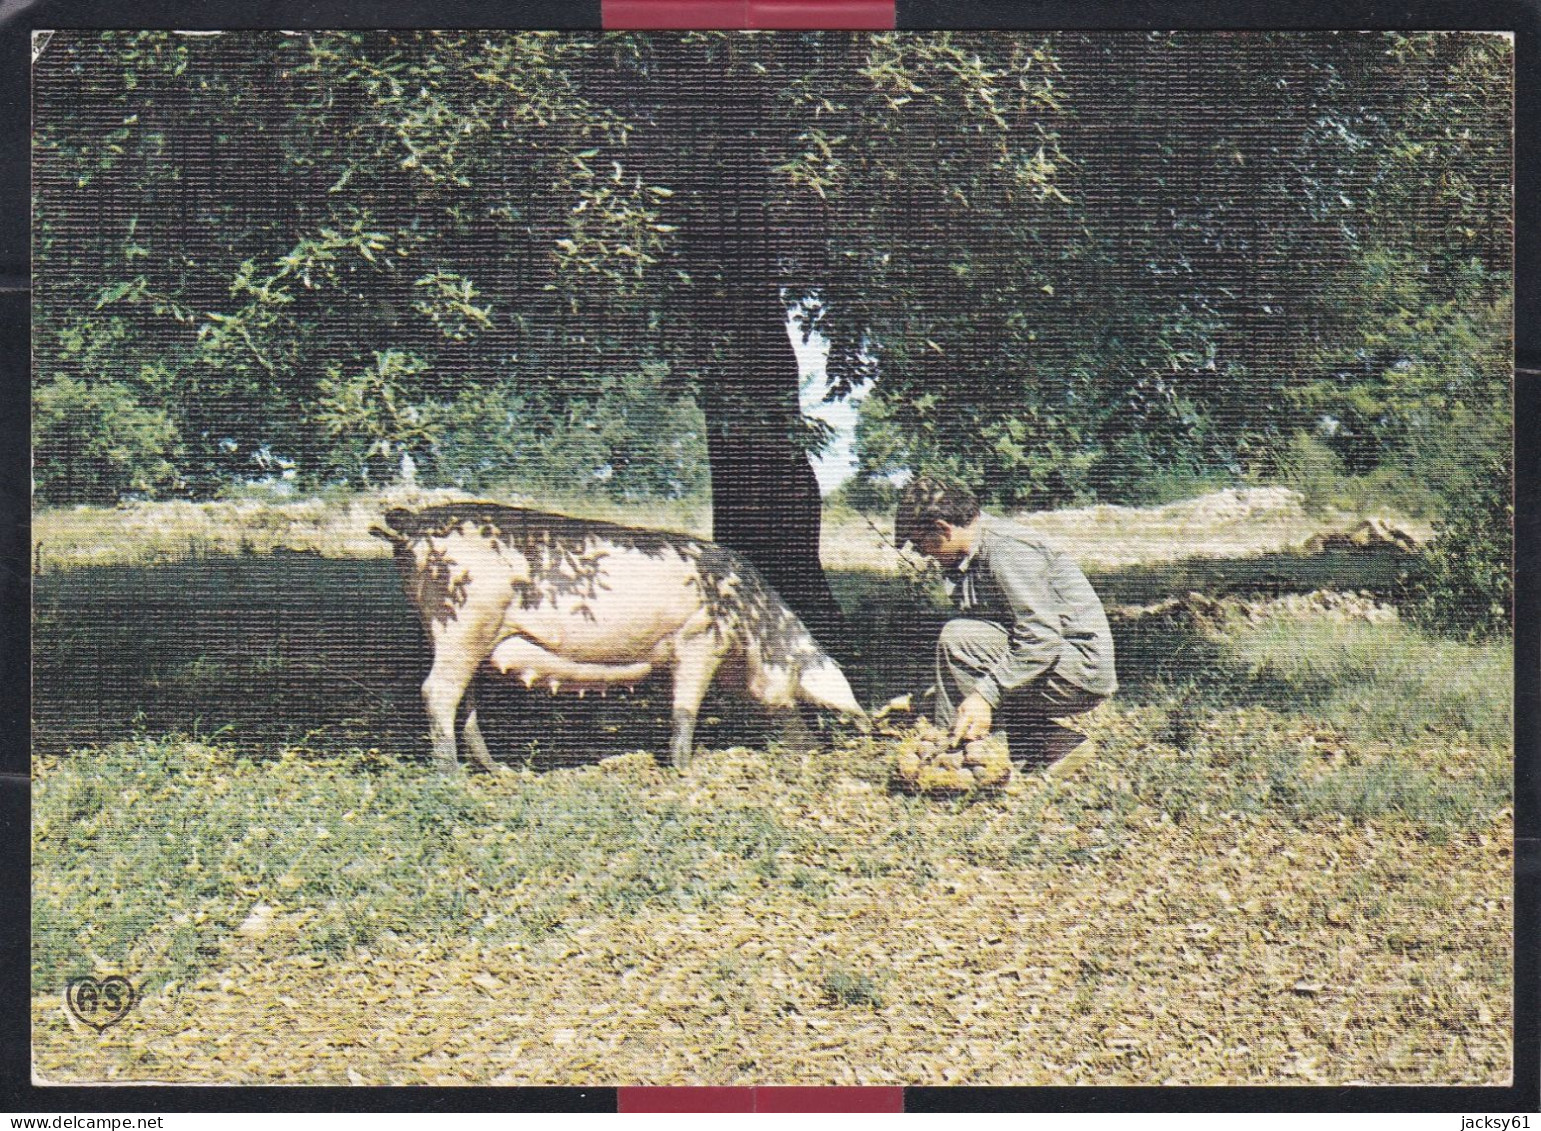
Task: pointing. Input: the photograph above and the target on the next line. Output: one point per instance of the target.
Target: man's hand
(974, 718)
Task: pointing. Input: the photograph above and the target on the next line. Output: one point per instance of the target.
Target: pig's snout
(825, 685)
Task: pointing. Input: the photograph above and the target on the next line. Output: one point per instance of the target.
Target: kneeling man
(1032, 644)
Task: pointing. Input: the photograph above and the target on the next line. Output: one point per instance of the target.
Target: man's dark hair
(925, 501)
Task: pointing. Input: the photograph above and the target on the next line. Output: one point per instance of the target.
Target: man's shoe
(1072, 761)
(1056, 750)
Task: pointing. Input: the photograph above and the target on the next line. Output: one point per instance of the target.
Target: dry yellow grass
(147, 533)
(1234, 523)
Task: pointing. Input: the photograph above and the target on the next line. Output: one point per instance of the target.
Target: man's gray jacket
(1041, 598)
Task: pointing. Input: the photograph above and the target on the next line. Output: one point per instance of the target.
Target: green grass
(154, 851)
(1385, 682)
(852, 988)
(150, 853)
(1256, 760)
(1422, 797)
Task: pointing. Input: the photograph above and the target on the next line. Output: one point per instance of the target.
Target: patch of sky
(837, 462)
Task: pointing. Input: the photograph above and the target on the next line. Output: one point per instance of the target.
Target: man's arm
(1022, 572)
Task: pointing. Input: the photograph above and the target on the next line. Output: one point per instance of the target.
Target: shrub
(1464, 584)
(96, 443)
(866, 494)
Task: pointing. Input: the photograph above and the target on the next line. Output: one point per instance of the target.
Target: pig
(576, 605)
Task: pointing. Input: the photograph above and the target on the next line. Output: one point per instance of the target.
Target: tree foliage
(1060, 268)
(339, 246)
(1265, 232)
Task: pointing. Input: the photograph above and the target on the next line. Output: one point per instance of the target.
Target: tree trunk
(765, 497)
(765, 505)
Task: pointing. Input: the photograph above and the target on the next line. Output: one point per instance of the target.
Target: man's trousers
(967, 651)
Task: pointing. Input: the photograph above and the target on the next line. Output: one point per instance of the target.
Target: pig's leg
(476, 745)
(695, 662)
(795, 735)
(442, 691)
(683, 742)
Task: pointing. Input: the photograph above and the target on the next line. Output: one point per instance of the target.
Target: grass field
(1290, 861)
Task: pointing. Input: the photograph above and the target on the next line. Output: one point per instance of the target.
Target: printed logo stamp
(100, 1003)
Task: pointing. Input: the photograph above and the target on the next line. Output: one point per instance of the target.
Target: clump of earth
(928, 763)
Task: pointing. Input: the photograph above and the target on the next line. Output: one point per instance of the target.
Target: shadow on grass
(265, 651)
(890, 648)
(268, 650)
(1378, 569)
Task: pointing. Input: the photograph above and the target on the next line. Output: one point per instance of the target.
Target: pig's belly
(593, 644)
(526, 660)
(632, 615)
